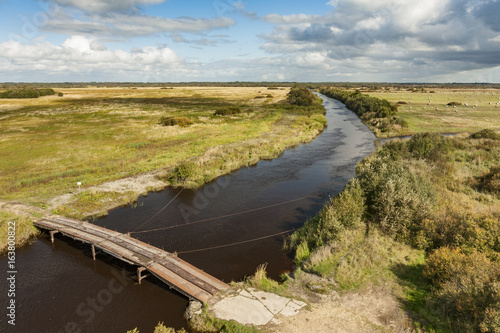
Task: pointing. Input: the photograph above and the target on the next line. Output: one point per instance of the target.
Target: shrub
(172, 121)
(46, 92)
(60, 94)
(344, 211)
(227, 111)
(397, 198)
(491, 181)
(486, 134)
(431, 146)
(301, 96)
(454, 103)
(182, 172)
(467, 289)
(364, 106)
(27, 93)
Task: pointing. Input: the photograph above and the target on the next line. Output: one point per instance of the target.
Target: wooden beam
(52, 233)
(93, 251)
(139, 275)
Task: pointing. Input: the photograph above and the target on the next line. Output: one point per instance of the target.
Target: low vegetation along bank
(423, 216)
(378, 114)
(181, 136)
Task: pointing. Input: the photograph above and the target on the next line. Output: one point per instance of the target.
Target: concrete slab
(255, 307)
(243, 310)
(246, 294)
(273, 302)
(291, 309)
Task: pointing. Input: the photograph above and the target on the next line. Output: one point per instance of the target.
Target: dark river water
(61, 289)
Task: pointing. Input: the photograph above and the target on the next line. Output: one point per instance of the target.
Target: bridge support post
(139, 274)
(93, 251)
(52, 233)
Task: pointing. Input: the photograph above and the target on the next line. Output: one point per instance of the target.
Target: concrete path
(251, 307)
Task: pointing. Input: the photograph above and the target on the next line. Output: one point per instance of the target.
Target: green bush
(431, 146)
(486, 134)
(27, 93)
(397, 198)
(46, 92)
(301, 96)
(227, 111)
(172, 121)
(491, 181)
(344, 211)
(182, 172)
(467, 289)
(364, 106)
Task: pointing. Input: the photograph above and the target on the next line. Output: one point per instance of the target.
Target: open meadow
(473, 110)
(99, 135)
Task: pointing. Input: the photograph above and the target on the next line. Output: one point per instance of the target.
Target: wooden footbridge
(175, 272)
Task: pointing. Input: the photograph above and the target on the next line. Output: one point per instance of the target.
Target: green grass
(416, 293)
(208, 323)
(260, 281)
(24, 229)
(437, 116)
(94, 136)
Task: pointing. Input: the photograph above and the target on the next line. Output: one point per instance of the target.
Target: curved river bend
(61, 289)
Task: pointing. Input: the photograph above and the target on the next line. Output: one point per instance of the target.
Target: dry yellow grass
(97, 135)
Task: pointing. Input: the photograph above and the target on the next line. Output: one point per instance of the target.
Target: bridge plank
(177, 273)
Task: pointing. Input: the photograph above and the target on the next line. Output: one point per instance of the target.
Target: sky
(254, 40)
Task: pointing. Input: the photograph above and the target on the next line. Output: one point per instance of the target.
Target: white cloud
(105, 5)
(424, 38)
(131, 25)
(82, 55)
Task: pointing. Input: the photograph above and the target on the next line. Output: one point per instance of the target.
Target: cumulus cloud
(427, 36)
(82, 55)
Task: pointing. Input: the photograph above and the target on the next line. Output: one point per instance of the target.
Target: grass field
(97, 135)
(429, 112)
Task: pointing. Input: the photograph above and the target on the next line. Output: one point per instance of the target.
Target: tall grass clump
(261, 281)
(24, 229)
(173, 121)
(227, 111)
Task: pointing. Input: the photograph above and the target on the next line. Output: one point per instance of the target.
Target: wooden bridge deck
(175, 272)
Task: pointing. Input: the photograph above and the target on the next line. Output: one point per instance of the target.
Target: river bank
(149, 156)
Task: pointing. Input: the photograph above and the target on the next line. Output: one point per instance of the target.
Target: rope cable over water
(237, 243)
(152, 217)
(219, 217)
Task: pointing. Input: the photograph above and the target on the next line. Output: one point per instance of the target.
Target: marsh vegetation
(423, 215)
(99, 135)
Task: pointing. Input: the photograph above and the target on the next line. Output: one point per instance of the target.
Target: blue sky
(227, 40)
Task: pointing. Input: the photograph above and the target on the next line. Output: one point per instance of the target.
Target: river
(61, 289)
